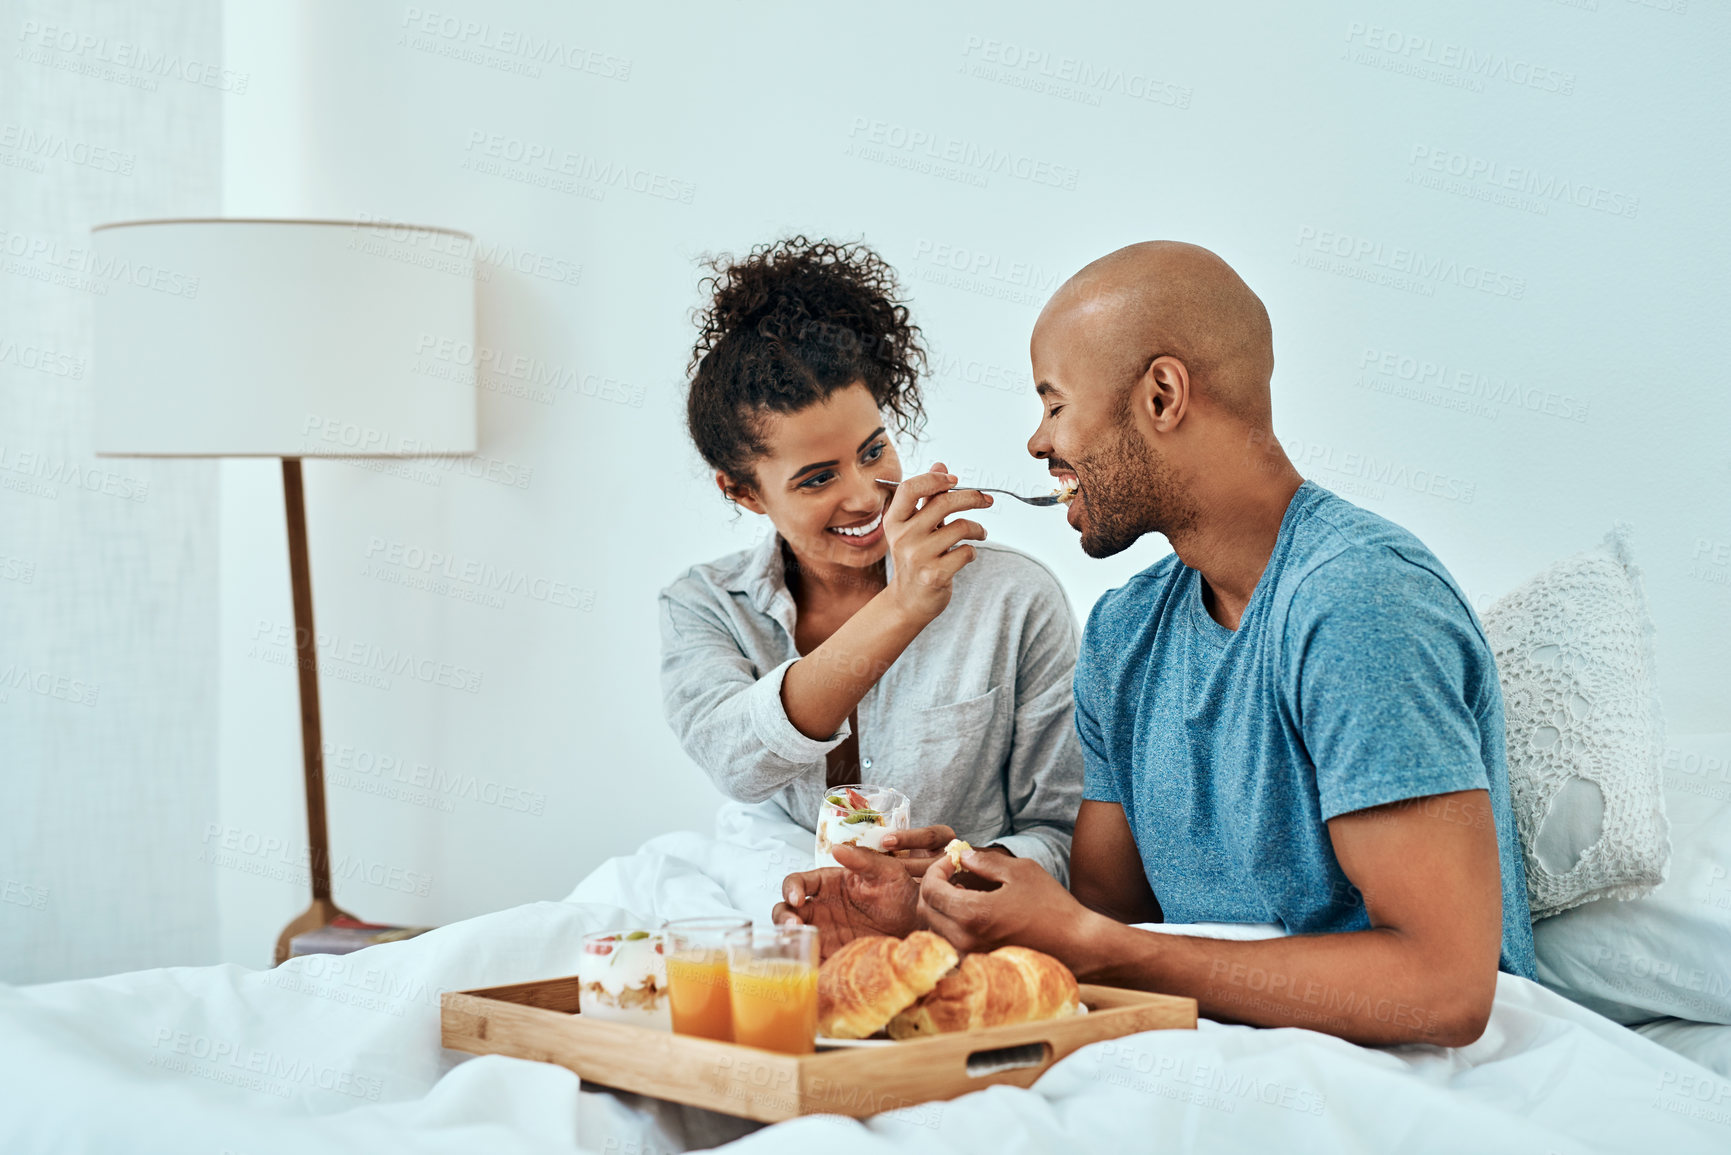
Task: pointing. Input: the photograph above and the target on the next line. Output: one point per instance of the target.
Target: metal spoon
(1043, 499)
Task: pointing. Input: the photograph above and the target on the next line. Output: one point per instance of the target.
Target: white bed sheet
(341, 1054)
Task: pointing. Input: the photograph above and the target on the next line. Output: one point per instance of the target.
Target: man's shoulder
(1126, 607)
(1343, 554)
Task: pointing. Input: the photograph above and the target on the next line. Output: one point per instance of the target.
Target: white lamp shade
(283, 339)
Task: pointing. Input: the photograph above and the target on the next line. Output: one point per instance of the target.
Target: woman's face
(818, 483)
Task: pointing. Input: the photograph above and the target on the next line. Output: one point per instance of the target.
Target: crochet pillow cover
(1574, 651)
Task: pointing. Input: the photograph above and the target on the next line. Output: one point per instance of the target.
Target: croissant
(862, 985)
(1010, 985)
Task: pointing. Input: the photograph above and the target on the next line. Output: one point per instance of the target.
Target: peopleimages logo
(472, 40)
(362, 765)
(41, 359)
(256, 1068)
(1230, 1087)
(1470, 385)
(1430, 59)
(1694, 772)
(973, 371)
(518, 374)
(1067, 77)
(1620, 967)
(1367, 257)
(362, 441)
(39, 475)
(47, 254)
(40, 146)
(269, 856)
(1544, 187)
(367, 656)
(1350, 465)
(980, 263)
(555, 161)
(62, 687)
(881, 140)
(97, 55)
(23, 894)
(453, 253)
(482, 575)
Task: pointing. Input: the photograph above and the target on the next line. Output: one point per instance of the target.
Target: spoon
(1043, 499)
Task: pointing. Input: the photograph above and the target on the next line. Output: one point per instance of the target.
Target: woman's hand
(870, 893)
(921, 540)
(918, 848)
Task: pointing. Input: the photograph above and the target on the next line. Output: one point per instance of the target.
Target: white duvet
(332, 1054)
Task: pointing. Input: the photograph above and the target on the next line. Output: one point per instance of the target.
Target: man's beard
(1128, 490)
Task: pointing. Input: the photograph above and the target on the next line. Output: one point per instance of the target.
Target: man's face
(1125, 487)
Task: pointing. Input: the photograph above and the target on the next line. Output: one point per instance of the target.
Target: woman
(866, 638)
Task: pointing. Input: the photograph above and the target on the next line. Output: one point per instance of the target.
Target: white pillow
(1670, 952)
(1704, 1043)
(1574, 652)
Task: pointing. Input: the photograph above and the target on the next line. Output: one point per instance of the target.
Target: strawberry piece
(858, 799)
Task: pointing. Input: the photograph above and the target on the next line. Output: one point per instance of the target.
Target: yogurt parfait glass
(623, 978)
(861, 815)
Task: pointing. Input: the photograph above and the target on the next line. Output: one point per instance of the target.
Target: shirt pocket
(936, 726)
(956, 752)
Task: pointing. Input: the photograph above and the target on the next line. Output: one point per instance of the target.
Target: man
(1293, 719)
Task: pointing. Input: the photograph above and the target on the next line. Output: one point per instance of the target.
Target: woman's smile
(861, 533)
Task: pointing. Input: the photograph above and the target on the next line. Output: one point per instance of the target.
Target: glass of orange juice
(697, 982)
(773, 976)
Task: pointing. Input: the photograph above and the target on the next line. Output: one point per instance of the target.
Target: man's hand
(874, 894)
(1028, 908)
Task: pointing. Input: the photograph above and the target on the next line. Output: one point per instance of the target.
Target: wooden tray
(539, 1021)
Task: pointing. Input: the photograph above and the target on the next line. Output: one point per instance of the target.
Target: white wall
(1272, 133)
(108, 566)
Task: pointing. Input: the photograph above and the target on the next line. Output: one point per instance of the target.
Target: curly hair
(785, 327)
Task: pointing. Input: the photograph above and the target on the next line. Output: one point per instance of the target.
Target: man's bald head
(1173, 299)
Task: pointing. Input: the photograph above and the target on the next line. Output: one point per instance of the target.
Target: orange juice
(697, 985)
(775, 1005)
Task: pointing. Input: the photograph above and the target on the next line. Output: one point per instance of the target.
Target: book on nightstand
(346, 935)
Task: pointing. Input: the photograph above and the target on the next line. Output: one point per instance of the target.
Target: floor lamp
(288, 339)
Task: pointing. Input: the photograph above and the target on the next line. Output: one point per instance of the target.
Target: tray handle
(999, 1059)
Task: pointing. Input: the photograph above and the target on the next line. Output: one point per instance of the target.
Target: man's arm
(1426, 971)
(1106, 872)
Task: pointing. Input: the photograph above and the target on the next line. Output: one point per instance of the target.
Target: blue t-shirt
(1358, 676)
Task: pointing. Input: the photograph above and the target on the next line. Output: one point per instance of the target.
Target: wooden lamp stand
(323, 909)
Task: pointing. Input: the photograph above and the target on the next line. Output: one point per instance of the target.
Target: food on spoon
(622, 977)
(1066, 491)
(860, 816)
(866, 983)
(1009, 985)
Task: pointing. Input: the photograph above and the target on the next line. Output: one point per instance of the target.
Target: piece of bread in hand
(961, 876)
(1009, 985)
(955, 850)
(861, 986)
